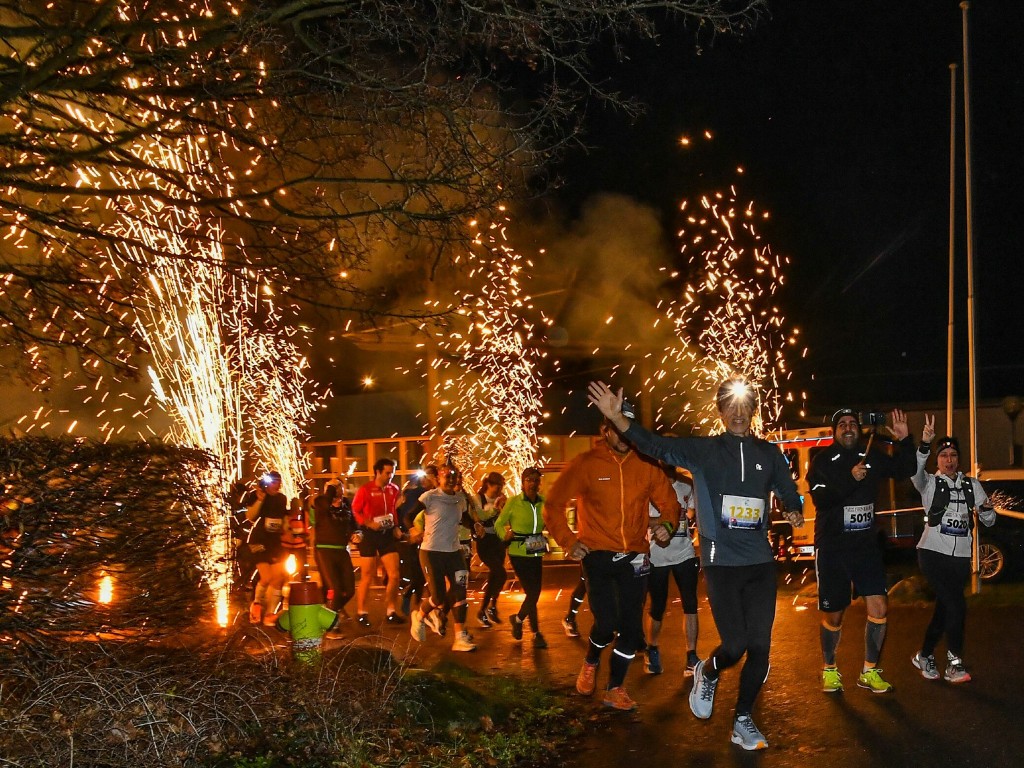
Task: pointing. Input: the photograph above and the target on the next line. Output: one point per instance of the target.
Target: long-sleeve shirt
(612, 494)
(525, 518)
(735, 477)
(845, 506)
(952, 536)
(374, 504)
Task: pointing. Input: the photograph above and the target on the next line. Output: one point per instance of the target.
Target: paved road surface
(922, 723)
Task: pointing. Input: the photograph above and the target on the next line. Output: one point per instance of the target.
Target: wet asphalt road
(921, 723)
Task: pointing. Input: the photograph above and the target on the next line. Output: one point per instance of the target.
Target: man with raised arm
(734, 474)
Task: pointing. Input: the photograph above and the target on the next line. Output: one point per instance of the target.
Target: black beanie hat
(947, 442)
(840, 414)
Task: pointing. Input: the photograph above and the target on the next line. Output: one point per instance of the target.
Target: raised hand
(928, 433)
(607, 400)
(899, 428)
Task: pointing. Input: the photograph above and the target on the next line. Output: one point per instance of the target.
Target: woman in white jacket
(944, 551)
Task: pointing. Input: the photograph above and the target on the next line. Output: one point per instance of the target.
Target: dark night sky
(839, 112)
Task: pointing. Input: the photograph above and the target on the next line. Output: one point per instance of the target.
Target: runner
(678, 562)
(489, 546)
(844, 482)
(734, 474)
(443, 561)
(612, 486)
(521, 523)
(944, 552)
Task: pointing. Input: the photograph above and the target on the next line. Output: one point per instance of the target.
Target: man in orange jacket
(613, 487)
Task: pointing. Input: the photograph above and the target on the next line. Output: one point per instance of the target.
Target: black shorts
(376, 543)
(838, 570)
(264, 553)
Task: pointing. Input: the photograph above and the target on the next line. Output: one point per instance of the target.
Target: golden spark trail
(726, 321)
(488, 379)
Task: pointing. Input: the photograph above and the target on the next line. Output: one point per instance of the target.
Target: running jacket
(952, 536)
(525, 518)
(612, 493)
(726, 465)
(834, 489)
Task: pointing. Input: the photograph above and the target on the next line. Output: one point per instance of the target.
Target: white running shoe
(747, 735)
(417, 627)
(702, 695)
(463, 642)
(927, 666)
(435, 621)
(955, 670)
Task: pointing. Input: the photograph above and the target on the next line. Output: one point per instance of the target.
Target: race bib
(535, 544)
(641, 564)
(273, 524)
(954, 525)
(858, 518)
(386, 522)
(743, 512)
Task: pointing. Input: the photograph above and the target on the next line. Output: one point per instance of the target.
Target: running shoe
(831, 680)
(517, 626)
(747, 735)
(435, 623)
(394, 618)
(270, 619)
(702, 695)
(492, 614)
(255, 613)
(484, 621)
(691, 662)
(927, 666)
(364, 620)
(617, 698)
(653, 663)
(463, 642)
(955, 670)
(586, 681)
(417, 627)
(569, 625)
(539, 642)
(872, 680)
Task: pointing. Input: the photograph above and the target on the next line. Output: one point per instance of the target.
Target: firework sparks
(726, 322)
(488, 381)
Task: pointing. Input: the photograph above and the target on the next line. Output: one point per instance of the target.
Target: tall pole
(952, 246)
(972, 372)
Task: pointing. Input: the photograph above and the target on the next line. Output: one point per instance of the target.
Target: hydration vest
(941, 500)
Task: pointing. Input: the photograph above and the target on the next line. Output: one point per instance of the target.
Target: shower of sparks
(489, 388)
(726, 323)
(225, 365)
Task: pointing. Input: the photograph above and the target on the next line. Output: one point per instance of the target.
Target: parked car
(1001, 547)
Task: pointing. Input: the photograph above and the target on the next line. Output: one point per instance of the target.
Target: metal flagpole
(972, 395)
(952, 246)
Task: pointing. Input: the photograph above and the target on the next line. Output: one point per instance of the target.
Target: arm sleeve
(564, 489)
(504, 518)
(664, 497)
(920, 478)
(677, 451)
(783, 485)
(359, 507)
(902, 464)
(988, 515)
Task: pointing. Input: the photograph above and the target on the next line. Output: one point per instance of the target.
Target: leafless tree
(339, 136)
